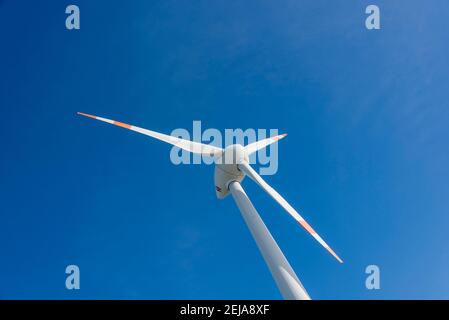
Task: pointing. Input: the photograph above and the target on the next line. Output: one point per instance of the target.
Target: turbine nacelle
(226, 168)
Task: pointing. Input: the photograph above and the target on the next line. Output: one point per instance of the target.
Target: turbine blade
(194, 147)
(246, 168)
(255, 146)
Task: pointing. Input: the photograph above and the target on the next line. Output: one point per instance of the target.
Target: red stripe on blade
(87, 115)
(334, 254)
(307, 226)
(121, 124)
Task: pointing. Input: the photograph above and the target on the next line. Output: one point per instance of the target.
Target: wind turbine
(232, 165)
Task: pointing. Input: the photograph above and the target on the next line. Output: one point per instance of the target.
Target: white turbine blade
(246, 168)
(255, 146)
(194, 147)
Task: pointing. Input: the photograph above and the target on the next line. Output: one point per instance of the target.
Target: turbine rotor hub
(226, 168)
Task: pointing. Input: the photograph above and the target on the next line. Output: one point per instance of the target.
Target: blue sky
(365, 161)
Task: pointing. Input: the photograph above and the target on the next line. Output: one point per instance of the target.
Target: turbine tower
(231, 167)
